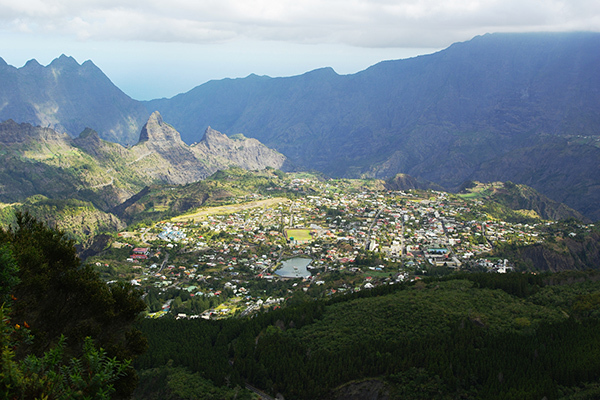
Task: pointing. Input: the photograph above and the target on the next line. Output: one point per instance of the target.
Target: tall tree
(59, 296)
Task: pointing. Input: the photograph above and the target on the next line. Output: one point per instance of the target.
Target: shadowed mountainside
(509, 107)
(486, 109)
(69, 97)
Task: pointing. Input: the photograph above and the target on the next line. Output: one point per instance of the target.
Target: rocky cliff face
(41, 161)
(165, 157)
(240, 151)
(12, 133)
(521, 197)
(568, 254)
(159, 133)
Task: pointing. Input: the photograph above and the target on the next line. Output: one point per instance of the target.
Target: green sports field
(300, 235)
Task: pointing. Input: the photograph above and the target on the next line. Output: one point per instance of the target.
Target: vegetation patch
(299, 235)
(228, 209)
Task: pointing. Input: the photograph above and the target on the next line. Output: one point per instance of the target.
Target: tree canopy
(63, 301)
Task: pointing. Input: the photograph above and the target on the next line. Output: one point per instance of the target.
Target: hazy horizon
(138, 45)
(125, 74)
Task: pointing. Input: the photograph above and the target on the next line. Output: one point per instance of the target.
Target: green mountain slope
(79, 220)
(568, 248)
(41, 161)
(86, 186)
(232, 185)
(520, 198)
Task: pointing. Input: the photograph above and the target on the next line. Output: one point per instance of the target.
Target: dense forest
(469, 336)
(65, 333)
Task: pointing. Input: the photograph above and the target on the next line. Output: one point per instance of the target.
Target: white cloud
(140, 43)
(368, 23)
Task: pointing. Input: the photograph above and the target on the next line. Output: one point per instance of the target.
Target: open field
(300, 235)
(480, 191)
(229, 209)
(475, 195)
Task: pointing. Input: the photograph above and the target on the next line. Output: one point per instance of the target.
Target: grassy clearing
(475, 195)
(300, 235)
(384, 273)
(482, 190)
(229, 209)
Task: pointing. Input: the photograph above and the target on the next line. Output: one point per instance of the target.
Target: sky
(157, 48)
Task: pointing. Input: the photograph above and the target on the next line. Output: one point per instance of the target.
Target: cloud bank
(363, 23)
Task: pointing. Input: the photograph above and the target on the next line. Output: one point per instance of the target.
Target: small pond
(294, 268)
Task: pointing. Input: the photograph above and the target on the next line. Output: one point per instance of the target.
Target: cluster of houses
(408, 232)
(171, 233)
(139, 253)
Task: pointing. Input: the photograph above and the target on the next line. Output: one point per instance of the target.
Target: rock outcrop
(42, 161)
(12, 133)
(159, 133)
(165, 157)
(240, 151)
(407, 182)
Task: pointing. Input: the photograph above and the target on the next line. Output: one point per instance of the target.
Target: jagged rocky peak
(237, 150)
(32, 64)
(88, 138)
(88, 65)
(89, 134)
(64, 61)
(158, 131)
(213, 137)
(12, 132)
(4, 67)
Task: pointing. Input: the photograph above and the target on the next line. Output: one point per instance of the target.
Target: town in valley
(312, 237)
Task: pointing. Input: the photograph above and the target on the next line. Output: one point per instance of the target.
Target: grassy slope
(79, 219)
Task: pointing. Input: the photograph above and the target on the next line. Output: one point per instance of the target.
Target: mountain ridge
(509, 107)
(42, 161)
(455, 115)
(69, 97)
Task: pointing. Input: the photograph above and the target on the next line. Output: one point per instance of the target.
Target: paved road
(291, 225)
(368, 237)
(165, 261)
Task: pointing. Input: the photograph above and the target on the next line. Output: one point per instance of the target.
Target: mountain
(38, 160)
(405, 182)
(80, 220)
(518, 107)
(41, 161)
(527, 202)
(69, 97)
(566, 254)
(180, 163)
(500, 107)
(161, 202)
